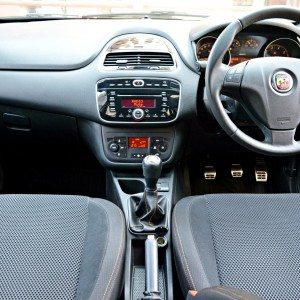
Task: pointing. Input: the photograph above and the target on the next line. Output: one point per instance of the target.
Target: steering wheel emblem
(282, 82)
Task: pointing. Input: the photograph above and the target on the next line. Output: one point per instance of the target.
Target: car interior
(152, 155)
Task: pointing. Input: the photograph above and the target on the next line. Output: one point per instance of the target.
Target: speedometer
(235, 46)
(204, 46)
(203, 51)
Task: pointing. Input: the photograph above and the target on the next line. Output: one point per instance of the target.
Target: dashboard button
(230, 78)
(138, 114)
(237, 78)
(174, 85)
(120, 139)
(114, 147)
(163, 148)
(138, 82)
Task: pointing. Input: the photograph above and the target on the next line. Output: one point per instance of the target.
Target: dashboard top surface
(72, 44)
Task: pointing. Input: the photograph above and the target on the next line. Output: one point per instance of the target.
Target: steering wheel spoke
(232, 81)
(280, 137)
(221, 71)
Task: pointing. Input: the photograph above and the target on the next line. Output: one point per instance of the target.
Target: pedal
(261, 171)
(210, 173)
(236, 171)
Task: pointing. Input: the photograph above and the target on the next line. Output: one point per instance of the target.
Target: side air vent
(139, 60)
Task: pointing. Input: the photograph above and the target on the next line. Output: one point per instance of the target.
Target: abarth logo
(282, 82)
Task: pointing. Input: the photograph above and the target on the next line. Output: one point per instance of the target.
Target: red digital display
(138, 142)
(238, 59)
(138, 103)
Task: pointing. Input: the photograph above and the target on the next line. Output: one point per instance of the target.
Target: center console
(147, 100)
(148, 270)
(139, 140)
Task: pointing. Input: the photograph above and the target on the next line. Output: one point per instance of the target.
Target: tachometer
(235, 46)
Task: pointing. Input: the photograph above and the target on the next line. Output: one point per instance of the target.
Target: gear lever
(148, 209)
(152, 166)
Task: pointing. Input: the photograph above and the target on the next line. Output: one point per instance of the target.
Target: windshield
(132, 8)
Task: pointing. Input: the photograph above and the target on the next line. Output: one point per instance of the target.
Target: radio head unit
(138, 99)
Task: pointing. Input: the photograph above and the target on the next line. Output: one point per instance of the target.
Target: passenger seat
(60, 247)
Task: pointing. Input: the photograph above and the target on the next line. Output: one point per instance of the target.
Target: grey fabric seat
(60, 247)
(251, 242)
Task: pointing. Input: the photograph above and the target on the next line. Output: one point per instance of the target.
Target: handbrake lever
(151, 269)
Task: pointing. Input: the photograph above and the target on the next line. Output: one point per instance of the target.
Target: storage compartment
(24, 127)
(131, 186)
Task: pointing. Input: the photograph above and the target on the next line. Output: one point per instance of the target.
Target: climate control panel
(138, 99)
(133, 147)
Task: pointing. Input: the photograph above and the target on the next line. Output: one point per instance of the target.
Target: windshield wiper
(52, 16)
(141, 15)
(168, 15)
(38, 17)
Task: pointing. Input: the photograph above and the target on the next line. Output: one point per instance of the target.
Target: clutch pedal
(210, 173)
(236, 171)
(261, 171)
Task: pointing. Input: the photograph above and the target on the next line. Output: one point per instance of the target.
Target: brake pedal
(210, 173)
(261, 171)
(236, 171)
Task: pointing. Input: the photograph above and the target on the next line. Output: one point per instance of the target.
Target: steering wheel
(268, 88)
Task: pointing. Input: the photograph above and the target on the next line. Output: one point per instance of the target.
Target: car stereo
(138, 99)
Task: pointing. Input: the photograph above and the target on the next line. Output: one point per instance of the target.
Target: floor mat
(138, 283)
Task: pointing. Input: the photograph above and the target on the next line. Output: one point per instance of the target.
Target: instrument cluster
(245, 47)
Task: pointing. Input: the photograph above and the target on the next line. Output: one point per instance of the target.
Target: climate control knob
(138, 114)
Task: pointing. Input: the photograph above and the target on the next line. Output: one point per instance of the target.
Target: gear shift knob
(152, 166)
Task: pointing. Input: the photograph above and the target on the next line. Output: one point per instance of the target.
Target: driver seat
(249, 242)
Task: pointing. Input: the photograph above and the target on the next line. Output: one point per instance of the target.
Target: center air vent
(139, 60)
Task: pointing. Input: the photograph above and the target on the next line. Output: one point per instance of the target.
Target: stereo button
(138, 82)
(138, 114)
(114, 147)
(163, 148)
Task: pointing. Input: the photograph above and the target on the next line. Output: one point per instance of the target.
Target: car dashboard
(128, 89)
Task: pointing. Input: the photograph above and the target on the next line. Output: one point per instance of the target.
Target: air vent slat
(139, 59)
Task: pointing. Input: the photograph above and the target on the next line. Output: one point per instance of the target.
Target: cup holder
(131, 186)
